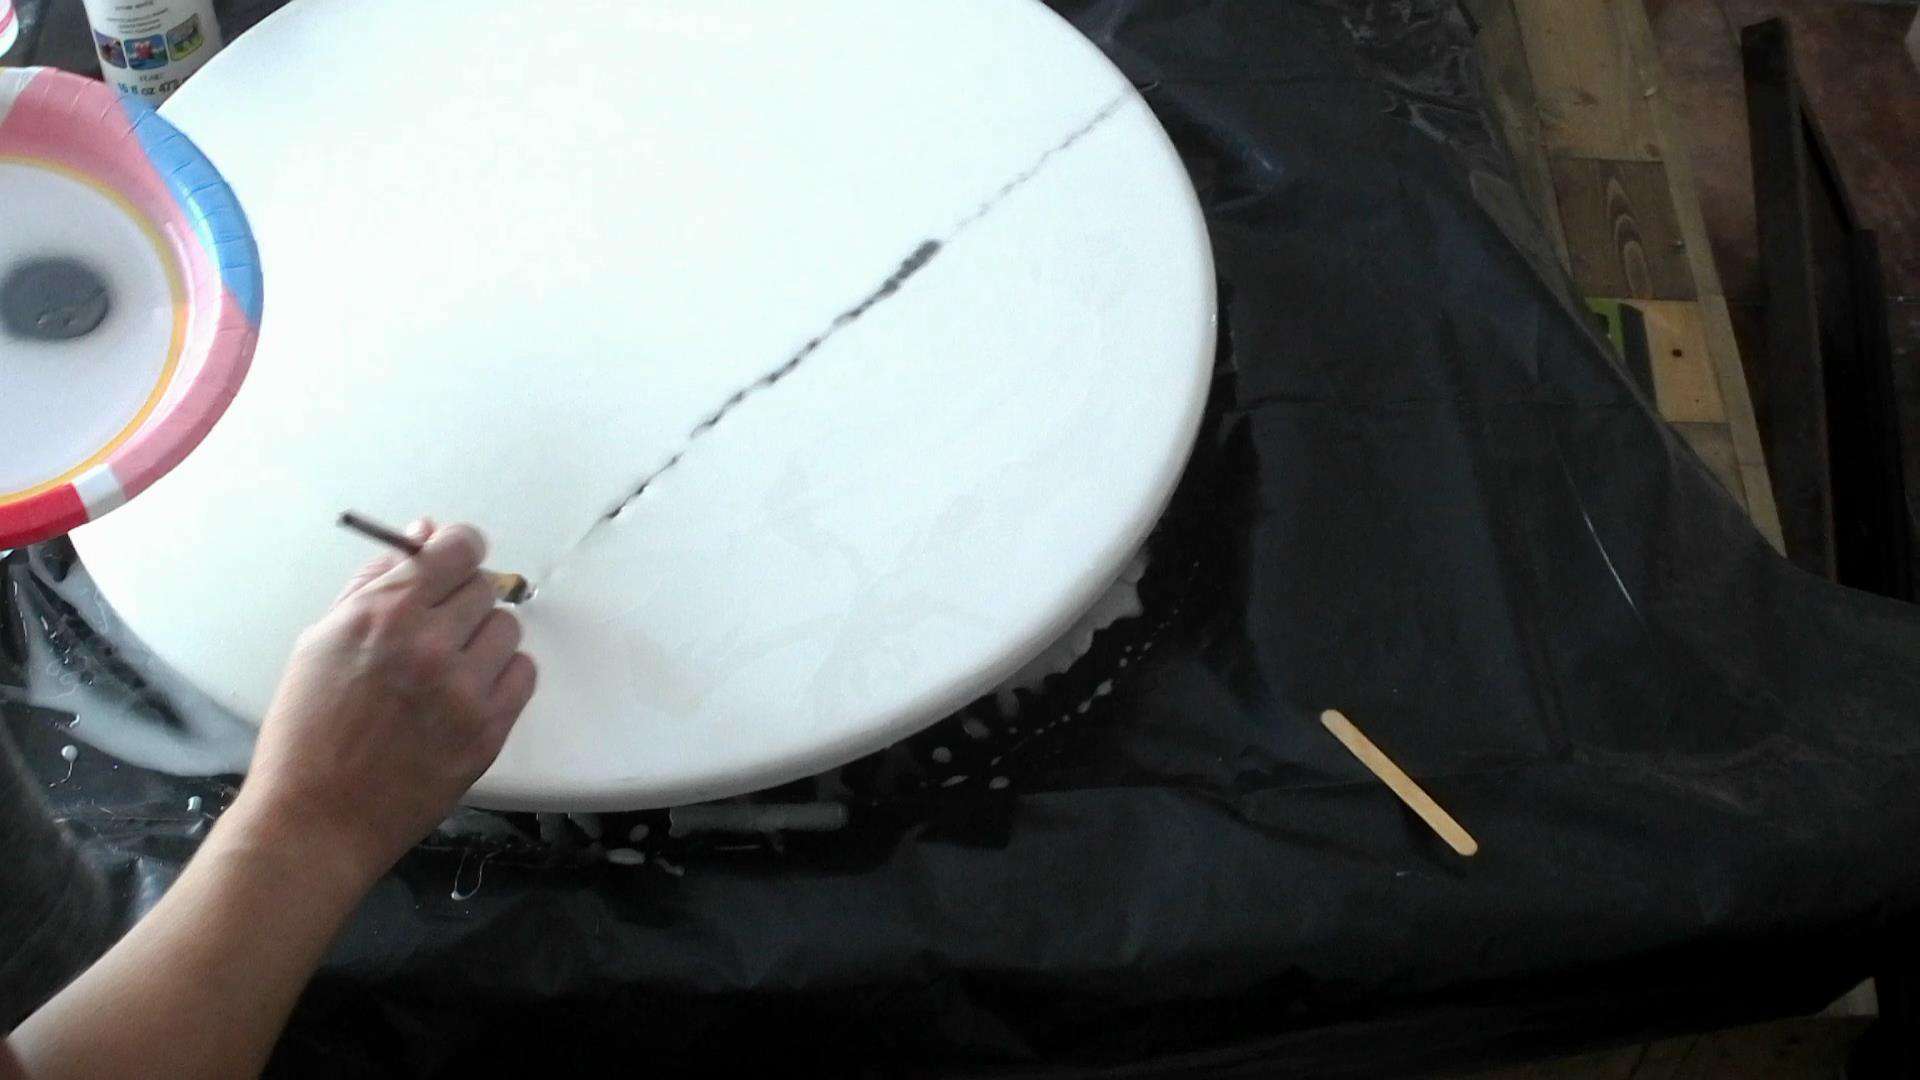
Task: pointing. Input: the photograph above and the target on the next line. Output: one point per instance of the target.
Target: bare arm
(392, 705)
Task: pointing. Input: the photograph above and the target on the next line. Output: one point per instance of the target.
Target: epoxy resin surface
(819, 362)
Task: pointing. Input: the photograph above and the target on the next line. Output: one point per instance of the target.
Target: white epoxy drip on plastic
(744, 817)
(469, 824)
(479, 874)
(1120, 601)
(210, 741)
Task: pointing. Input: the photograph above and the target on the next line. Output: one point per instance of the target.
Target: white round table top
(935, 268)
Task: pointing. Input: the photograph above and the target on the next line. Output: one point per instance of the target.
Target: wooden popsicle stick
(1390, 774)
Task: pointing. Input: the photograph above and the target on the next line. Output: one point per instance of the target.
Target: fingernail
(421, 528)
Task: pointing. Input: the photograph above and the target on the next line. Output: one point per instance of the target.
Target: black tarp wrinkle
(1599, 545)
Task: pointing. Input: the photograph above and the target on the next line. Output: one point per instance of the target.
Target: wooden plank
(1721, 344)
(1730, 373)
(1598, 88)
(1684, 382)
(1590, 88)
(1627, 331)
(1509, 84)
(1622, 236)
(1758, 485)
(1714, 444)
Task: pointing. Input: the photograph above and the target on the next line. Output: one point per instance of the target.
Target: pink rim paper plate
(55, 122)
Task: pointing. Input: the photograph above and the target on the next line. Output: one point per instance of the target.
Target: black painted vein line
(1021, 178)
(908, 267)
(915, 262)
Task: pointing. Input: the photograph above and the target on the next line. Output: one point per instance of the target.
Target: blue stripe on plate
(206, 200)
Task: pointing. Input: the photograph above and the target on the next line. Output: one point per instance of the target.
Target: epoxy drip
(108, 678)
(1120, 601)
(741, 817)
(479, 873)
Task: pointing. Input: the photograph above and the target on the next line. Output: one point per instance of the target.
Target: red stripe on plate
(45, 515)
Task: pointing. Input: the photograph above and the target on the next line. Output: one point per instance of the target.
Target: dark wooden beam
(1788, 382)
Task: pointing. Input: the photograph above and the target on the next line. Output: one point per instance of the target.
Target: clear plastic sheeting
(1423, 494)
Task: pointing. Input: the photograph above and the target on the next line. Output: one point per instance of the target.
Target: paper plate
(129, 300)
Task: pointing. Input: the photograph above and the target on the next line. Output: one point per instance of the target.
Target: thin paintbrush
(509, 588)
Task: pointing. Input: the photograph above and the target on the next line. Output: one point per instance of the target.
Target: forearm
(392, 705)
(203, 984)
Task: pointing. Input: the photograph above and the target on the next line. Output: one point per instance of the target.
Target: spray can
(9, 27)
(147, 48)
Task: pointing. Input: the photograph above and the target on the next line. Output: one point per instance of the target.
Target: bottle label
(147, 48)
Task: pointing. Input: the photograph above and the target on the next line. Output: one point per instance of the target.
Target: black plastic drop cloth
(1424, 494)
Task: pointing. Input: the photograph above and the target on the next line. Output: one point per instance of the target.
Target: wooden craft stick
(507, 588)
(1390, 774)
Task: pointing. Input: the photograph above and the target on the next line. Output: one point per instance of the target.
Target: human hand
(391, 706)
